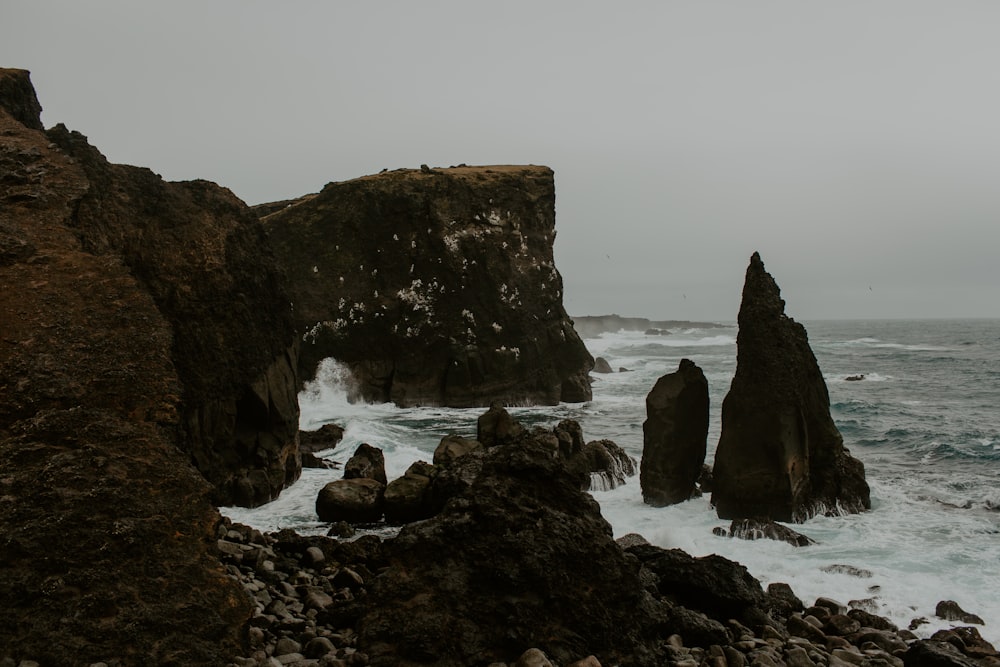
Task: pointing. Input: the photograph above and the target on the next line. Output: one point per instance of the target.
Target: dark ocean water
(924, 420)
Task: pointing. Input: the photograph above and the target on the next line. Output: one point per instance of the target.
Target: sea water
(925, 421)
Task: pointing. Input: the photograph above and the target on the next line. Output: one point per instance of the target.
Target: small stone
(798, 657)
(286, 646)
(733, 657)
(533, 657)
(255, 636)
(841, 624)
(318, 647)
(589, 661)
(290, 658)
(315, 555)
(316, 598)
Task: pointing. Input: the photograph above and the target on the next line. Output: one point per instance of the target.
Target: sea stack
(674, 436)
(780, 456)
(434, 286)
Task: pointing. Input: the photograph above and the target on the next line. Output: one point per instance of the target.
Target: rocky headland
(434, 286)
(148, 373)
(145, 347)
(592, 326)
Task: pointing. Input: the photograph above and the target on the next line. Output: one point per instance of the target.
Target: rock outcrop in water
(141, 330)
(435, 287)
(780, 456)
(675, 434)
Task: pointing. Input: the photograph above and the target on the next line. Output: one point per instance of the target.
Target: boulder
(712, 585)
(520, 559)
(674, 436)
(146, 347)
(780, 456)
(950, 610)
(756, 529)
(497, 427)
(326, 436)
(434, 287)
(608, 465)
(601, 365)
(367, 462)
(356, 500)
(408, 497)
(452, 447)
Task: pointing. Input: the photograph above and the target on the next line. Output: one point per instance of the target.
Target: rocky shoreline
(308, 591)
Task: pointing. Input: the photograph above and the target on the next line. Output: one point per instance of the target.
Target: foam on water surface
(917, 422)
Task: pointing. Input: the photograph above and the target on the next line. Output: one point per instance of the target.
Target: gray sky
(855, 144)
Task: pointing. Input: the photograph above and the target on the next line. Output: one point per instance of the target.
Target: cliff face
(780, 455)
(436, 287)
(141, 329)
(203, 258)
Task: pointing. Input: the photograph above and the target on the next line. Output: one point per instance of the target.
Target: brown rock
(452, 447)
(367, 462)
(109, 532)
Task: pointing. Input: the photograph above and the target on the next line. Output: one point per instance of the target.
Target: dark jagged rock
(674, 436)
(408, 498)
(497, 427)
(203, 258)
(756, 529)
(452, 447)
(951, 611)
(931, 653)
(354, 500)
(520, 559)
(18, 98)
(367, 462)
(780, 455)
(711, 584)
(108, 545)
(435, 287)
(326, 436)
(608, 465)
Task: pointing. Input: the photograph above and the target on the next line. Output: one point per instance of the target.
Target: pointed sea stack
(780, 455)
(674, 436)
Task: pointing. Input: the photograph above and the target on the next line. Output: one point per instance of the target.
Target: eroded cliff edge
(142, 330)
(434, 286)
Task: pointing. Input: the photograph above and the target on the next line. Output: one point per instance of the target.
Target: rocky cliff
(141, 330)
(780, 455)
(435, 286)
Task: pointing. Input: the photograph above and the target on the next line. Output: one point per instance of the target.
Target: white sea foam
(933, 533)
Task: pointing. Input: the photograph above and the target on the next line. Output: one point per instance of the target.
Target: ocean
(925, 421)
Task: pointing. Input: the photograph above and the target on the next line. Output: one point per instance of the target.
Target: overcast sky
(855, 143)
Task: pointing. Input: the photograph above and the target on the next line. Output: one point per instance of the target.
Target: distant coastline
(591, 326)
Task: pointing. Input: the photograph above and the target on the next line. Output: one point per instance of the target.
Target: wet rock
(951, 611)
(674, 436)
(452, 447)
(326, 436)
(521, 557)
(434, 288)
(367, 462)
(601, 365)
(497, 427)
(780, 455)
(408, 497)
(930, 653)
(755, 529)
(358, 500)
